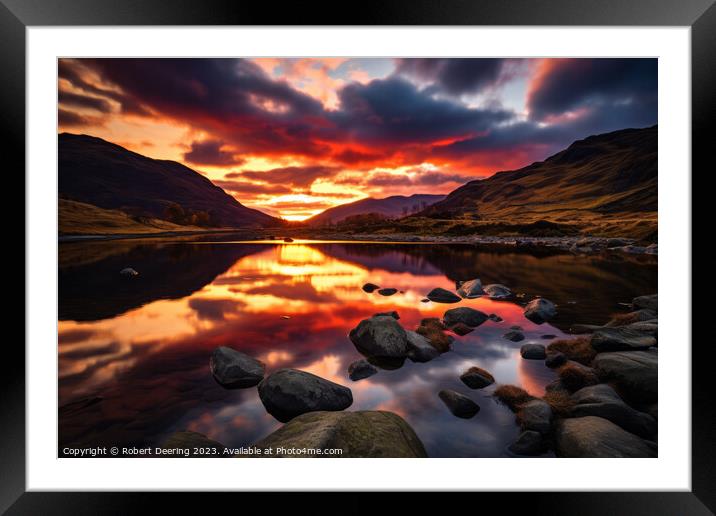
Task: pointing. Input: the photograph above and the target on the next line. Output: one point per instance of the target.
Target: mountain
(603, 176)
(100, 173)
(391, 207)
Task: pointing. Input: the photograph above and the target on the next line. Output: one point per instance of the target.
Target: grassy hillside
(77, 218)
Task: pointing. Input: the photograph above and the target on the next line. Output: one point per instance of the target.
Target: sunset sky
(293, 137)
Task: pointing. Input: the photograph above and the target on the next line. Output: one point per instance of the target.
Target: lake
(133, 355)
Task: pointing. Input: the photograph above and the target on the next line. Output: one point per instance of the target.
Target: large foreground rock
(465, 315)
(234, 369)
(471, 289)
(602, 401)
(288, 393)
(634, 373)
(380, 336)
(621, 338)
(358, 434)
(535, 415)
(440, 295)
(419, 348)
(591, 436)
(540, 310)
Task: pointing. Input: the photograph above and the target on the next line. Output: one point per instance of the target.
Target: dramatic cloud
(352, 128)
(454, 76)
(210, 152)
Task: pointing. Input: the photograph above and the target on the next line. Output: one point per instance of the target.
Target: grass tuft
(512, 396)
(578, 349)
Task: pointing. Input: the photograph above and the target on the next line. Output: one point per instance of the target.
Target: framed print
(423, 249)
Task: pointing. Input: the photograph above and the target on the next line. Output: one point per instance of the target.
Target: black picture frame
(17, 15)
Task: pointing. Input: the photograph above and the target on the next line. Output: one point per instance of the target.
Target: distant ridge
(103, 174)
(391, 207)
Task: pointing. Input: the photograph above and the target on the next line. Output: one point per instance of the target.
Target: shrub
(575, 377)
(512, 396)
(578, 349)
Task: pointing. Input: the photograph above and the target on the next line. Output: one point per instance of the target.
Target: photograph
(357, 257)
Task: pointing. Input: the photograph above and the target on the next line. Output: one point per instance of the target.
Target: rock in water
(477, 378)
(540, 310)
(461, 329)
(529, 442)
(392, 314)
(465, 315)
(370, 287)
(533, 352)
(497, 291)
(234, 369)
(361, 369)
(495, 318)
(128, 272)
(459, 404)
(358, 434)
(535, 415)
(591, 436)
(288, 393)
(555, 360)
(646, 302)
(602, 401)
(387, 291)
(419, 348)
(440, 295)
(471, 289)
(514, 336)
(621, 338)
(634, 373)
(380, 336)
(288, 239)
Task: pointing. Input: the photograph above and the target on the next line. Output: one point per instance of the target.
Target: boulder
(440, 295)
(387, 291)
(128, 272)
(529, 442)
(647, 302)
(392, 314)
(633, 373)
(535, 415)
(540, 310)
(465, 315)
(533, 352)
(234, 369)
(477, 378)
(359, 434)
(471, 289)
(288, 393)
(555, 360)
(621, 338)
(514, 336)
(461, 329)
(649, 328)
(361, 369)
(602, 401)
(497, 291)
(459, 404)
(370, 287)
(596, 437)
(380, 336)
(495, 318)
(419, 348)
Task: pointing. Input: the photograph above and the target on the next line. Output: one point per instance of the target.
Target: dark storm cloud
(393, 110)
(569, 84)
(420, 179)
(72, 119)
(245, 187)
(209, 152)
(454, 76)
(293, 176)
(67, 98)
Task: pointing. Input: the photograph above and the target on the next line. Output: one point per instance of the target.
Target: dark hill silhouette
(97, 172)
(390, 207)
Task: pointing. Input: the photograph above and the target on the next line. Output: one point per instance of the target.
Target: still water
(134, 353)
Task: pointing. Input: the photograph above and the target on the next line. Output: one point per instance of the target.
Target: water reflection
(133, 355)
